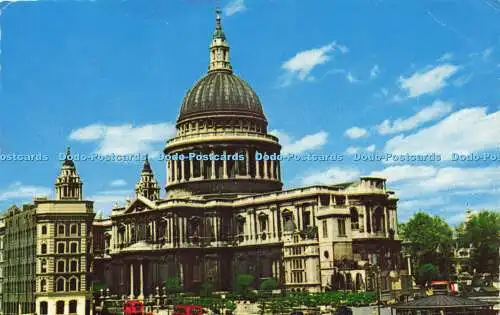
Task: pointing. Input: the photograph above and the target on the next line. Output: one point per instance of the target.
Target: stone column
(169, 173)
(257, 168)
(386, 221)
(266, 175)
(141, 281)
(213, 166)
(224, 166)
(183, 170)
(131, 281)
(273, 175)
(191, 168)
(247, 162)
(154, 230)
(174, 173)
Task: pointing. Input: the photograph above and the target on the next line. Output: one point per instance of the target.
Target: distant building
(2, 261)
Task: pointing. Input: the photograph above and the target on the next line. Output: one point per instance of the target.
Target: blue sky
(341, 77)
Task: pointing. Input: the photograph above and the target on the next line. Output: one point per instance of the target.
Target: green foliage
(230, 305)
(269, 284)
(426, 273)
(431, 240)
(207, 288)
(97, 287)
(482, 232)
(173, 285)
(244, 283)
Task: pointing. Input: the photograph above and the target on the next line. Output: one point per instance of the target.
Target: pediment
(139, 204)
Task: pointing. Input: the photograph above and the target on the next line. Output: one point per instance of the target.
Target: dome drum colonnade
(220, 116)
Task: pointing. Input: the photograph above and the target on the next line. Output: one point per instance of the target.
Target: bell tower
(68, 183)
(147, 185)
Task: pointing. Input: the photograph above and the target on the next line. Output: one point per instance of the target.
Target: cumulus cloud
(19, 191)
(465, 131)
(306, 143)
(430, 81)
(354, 150)
(356, 132)
(429, 113)
(105, 200)
(234, 7)
(300, 66)
(125, 139)
(333, 175)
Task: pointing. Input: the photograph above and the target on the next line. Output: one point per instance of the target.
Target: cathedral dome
(221, 91)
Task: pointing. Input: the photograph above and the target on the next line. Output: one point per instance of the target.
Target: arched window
(73, 266)
(60, 248)
(378, 220)
(73, 247)
(60, 266)
(73, 284)
(43, 266)
(60, 307)
(240, 225)
(60, 284)
(288, 224)
(72, 307)
(44, 308)
(354, 219)
(73, 230)
(43, 285)
(61, 230)
(44, 229)
(263, 222)
(43, 249)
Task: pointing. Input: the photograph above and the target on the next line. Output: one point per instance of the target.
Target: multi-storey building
(20, 260)
(2, 234)
(225, 212)
(48, 251)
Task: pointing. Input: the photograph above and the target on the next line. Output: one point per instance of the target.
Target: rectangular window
(325, 228)
(341, 225)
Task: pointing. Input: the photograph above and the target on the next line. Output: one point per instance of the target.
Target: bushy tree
(207, 288)
(426, 273)
(269, 284)
(482, 232)
(173, 285)
(244, 284)
(431, 241)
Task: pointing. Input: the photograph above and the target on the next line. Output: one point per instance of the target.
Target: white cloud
(405, 172)
(430, 81)
(465, 131)
(350, 77)
(487, 53)
(300, 66)
(374, 72)
(125, 139)
(18, 191)
(356, 132)
(445, 56)
(429, 113)
(234, 7)
(105, 200)
(334, 175)
(117, 183)
(306, 143)
(354, 150)
(461, 81)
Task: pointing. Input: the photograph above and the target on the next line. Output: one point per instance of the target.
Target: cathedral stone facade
(227, 216)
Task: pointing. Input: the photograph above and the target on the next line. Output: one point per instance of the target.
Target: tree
(482, 232)
(426, 273)
(173, 285)
(244, 284)
(207, 288)
(431, 241)
(269, 284)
